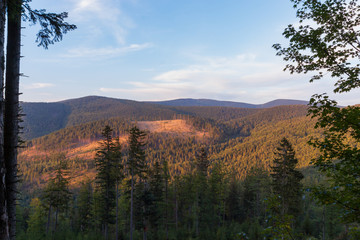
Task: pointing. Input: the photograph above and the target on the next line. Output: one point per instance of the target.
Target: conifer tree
(52, 29)
(286, 179)
(218, 189)
(256, 188)
(57, 194)
(84, 206)
(202, 203)
(36, 223)
(136, 165)
(108, 165)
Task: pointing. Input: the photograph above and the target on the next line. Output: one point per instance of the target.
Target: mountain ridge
(203, 102)
(43, 118)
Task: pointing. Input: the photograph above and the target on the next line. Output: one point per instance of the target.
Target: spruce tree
(57, 195)
(202, 203)
(52, 29)
(286, 179)
(84, 206)
(136, 165)
(108, 165)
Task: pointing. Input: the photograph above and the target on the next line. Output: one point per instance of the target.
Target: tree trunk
(166, 209)
(56, 219)
(117, 211)
(12, 108)
(323, 230)
(49, 220)
(4, 218)
(131, 204)
(176, 209)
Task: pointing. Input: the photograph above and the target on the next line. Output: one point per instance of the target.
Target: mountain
(215, 103)
(281, 102)
(44, 118)
(189, 102)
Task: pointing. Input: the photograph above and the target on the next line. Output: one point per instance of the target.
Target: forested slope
(246, 141)
(44, 118)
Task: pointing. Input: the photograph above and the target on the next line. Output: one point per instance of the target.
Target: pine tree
(218, 188)
(286, 179)
(36, 222)
(57, 195)
(157, 209)
(256, 189)
(52, 29)
(136, 165)
(84, 206)
(108, 165)
(202, 202)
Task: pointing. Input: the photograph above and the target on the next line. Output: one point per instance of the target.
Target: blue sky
(167, 49)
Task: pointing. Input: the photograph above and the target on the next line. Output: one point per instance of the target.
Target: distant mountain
(215, 103)
(189, 102)
(43, 118)
(282, 102)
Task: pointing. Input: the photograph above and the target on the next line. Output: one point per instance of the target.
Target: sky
(150, 50)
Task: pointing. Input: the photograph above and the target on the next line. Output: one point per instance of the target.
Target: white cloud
(105, 52)
(102, 17)
(37, 85)
(220, 78)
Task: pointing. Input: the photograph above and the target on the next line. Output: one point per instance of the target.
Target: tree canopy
(326, 43)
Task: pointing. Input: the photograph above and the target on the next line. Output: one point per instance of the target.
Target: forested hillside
(43, 118)
(239, 138)
(221, 155)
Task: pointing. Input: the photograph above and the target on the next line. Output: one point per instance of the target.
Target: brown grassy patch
(174, 127)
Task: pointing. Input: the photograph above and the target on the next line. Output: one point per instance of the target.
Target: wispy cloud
(105, 52)
(235, 78)
(102, 17)
(37, 85)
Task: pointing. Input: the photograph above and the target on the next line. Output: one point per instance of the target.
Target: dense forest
(214, 181)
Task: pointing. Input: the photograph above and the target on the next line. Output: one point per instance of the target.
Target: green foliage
(85, 201)
(56, 194)
(280, 224)
(329, 44)
(53, 25)
(136, 161)
(256, 188)
(109, 172)
(36, 222)
(326, 43)
(286, 179)
(339, 156)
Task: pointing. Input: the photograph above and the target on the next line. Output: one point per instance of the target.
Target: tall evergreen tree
(11, 130)
(84, 204)
(108, 165)
(57, 194)
(202, 202)
(136, 165)
(52, 29)
(256, 188)
(286, 179)
(36, 222)
(4, 231)
(217, 193)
